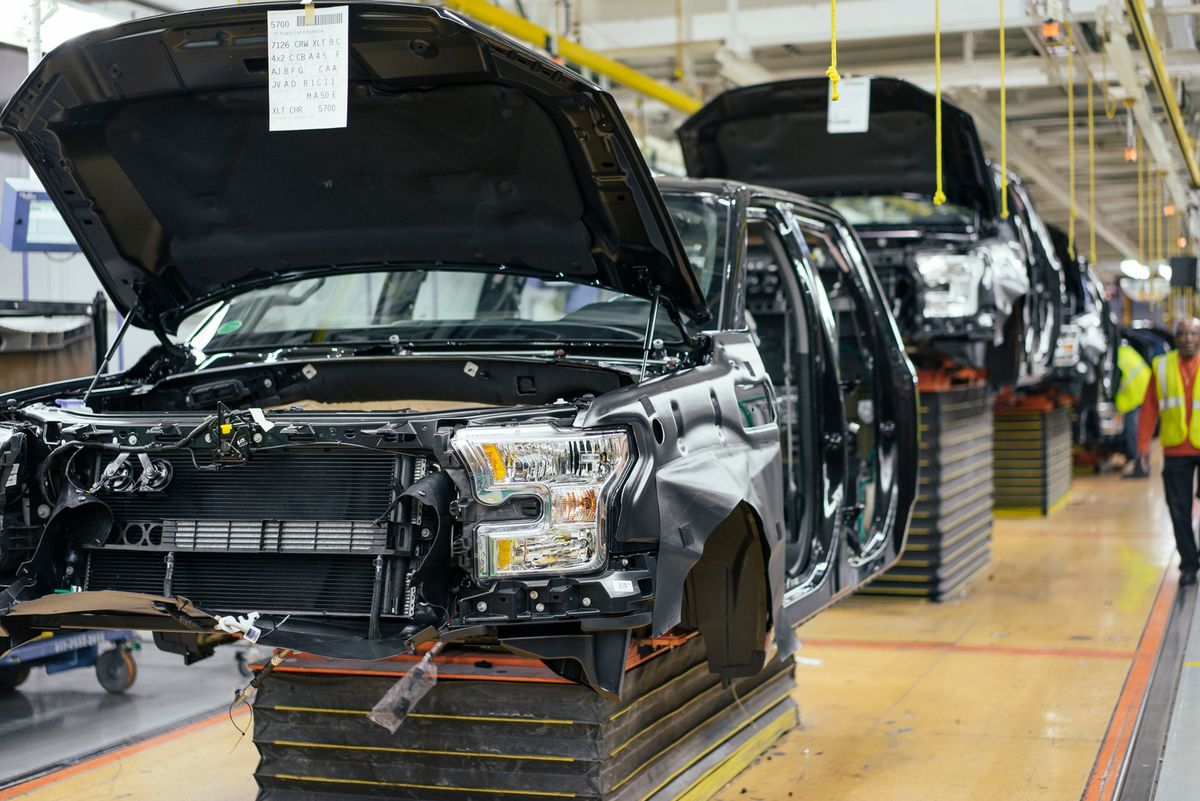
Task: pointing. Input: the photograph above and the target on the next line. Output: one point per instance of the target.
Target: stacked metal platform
(1032, 459)
(949, 539)
(496, 726)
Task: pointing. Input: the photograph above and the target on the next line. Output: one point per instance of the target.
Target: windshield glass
(464, 305)
(900, 210)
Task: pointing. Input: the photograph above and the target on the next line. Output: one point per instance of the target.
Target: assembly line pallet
(1033, 459)
(950, 535)
(496, 726)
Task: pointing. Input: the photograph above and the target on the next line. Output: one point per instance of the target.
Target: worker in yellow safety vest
(1135, 380)
(1172, 397)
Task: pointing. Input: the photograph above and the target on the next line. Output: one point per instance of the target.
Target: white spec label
(308, 67)
(852, 112)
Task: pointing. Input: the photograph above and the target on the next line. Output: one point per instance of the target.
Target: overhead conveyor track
(1144, 31)
(574, 53)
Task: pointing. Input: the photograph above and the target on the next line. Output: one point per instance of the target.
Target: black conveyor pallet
(1033, 461)
(495, 727)
(951, 532)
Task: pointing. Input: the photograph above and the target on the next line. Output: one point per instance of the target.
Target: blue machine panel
(29, 221)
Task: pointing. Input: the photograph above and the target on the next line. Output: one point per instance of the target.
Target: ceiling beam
(610, 24)
(1027, 163)
(1165, 159)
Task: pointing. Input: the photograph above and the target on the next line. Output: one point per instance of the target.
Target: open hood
(461, 148)
(775, 134)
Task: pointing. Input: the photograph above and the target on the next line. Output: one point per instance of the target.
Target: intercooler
(292, 530)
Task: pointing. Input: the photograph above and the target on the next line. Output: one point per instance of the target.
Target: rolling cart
(115, 668)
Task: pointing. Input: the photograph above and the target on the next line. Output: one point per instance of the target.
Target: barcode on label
(321, 19)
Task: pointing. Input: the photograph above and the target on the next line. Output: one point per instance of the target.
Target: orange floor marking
(1118, 738)
(119, 753)
(1006, 650)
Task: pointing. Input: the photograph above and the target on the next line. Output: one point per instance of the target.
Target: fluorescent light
(1165, 271)
(1135, 269)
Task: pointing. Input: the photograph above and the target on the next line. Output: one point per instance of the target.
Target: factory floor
(1027, 686)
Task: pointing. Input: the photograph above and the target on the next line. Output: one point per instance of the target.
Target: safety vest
(1172, 412)
(1135, 379)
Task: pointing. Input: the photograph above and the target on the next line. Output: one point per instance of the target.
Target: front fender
(710, 442)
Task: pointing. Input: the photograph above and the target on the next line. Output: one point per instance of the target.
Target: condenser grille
(286, 536)
(303, 483)
(241, 583)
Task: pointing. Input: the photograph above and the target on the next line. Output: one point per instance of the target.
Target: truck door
(1046, 302)
(878, 392)
(788, 314)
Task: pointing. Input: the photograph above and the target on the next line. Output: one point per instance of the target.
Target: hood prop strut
(112, 350)
(657, 301)
(651, 324)
(677, 318)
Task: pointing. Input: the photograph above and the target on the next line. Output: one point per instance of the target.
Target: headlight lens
(570, 471)
(1067, 353)
(952, 282)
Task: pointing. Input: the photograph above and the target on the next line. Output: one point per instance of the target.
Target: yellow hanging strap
(832, 72)
(1141, 192)
(1149, 209)
(939, 196)
(1071, 138)
(1156, 191)
(1162, 216)
(1091, 175)
(679, 73)
(1003, 124)
(1150, 236)
(1110, 103)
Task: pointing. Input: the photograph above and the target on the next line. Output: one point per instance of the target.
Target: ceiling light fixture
(1131, 153)
(1135, 269)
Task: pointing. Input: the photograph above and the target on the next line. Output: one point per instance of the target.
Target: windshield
(900, 210)
(463, 305)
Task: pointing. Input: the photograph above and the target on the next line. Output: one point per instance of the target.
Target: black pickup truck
(965, 285)
(460, 370)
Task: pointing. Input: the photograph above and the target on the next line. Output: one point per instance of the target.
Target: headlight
(572, 472)
(952, 283)
(1067, 353)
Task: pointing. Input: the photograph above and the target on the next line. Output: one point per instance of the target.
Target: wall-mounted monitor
(29, 222)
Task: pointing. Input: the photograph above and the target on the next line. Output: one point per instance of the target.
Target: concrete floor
(1016, 690)
(1026, 687)
(51, 720)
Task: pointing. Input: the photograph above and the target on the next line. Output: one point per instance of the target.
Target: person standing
(1171, 397)
(1131, 393)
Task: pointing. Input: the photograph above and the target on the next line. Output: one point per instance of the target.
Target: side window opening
(777, 318)
(856, 369)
